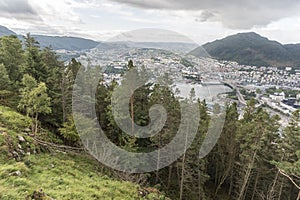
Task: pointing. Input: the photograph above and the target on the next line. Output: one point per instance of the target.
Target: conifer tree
(34, 100)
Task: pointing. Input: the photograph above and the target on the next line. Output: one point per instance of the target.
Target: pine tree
(5, 82)
(257, 134)
(34, 65)
(34, 100)
(225, 151)
(12, 57)
(68, 74)
(289, 165)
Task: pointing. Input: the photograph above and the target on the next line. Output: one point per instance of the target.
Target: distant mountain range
(244, 48)
(67, 43)
(57, 42)
(252, 49)
(6, 31)
(175, 47)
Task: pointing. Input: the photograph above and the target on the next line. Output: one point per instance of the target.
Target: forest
(255, 158)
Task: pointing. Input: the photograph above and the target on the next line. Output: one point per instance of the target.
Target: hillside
(29, 170)
(67, 43)
(294, 50)
(57, 42)
(252, 49)
(6, 31)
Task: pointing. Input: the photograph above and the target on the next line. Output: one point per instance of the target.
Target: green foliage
(247, 95)
(4, 80)
(34, 100)
(69, 131)
(287, 92)
(243, 164)
(12, 56)
(34, 97)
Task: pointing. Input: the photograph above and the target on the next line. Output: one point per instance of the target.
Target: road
(241, 99)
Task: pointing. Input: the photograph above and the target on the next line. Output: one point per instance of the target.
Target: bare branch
(286, 175)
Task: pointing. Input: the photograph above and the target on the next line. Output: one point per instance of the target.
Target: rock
(21, 138)
(52, 166)
(16, 173)
(19, 146)
(22, 152)
(39, 195)
(28, 153)
(27, 130)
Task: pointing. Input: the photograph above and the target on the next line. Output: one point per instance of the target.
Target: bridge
(240, 97)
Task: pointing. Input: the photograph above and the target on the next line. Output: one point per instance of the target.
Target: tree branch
(286, 175)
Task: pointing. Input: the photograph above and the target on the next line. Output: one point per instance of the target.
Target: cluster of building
(201, 70)
(280, 102)
(277, 76)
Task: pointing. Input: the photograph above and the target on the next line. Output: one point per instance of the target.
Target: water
(208, 92)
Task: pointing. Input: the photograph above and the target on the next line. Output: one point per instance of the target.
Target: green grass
(60, 175)
(12, 125)
(13, 120)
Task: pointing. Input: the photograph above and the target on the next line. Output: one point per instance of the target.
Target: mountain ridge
(251, 48)
(5, 31)
(68, 43)
(248, 48)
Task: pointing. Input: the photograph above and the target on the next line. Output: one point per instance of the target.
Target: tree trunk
(231, 182)
(63, 96)
(216, 175)
(199, 182)
(270, 195)
(132, 114)
(183, 162)
(255, 185)
(247, 176)
(36, 124)
(182, 177)
(169, 176)
(158, 159)
(280, 191)
(224, 176)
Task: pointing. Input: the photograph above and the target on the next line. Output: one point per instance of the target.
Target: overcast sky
(200, 20)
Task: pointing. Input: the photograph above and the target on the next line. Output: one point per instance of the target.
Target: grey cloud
(234, 14)
(18, 9)
(205, 16)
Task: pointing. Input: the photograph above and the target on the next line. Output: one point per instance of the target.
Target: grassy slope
(60, 175)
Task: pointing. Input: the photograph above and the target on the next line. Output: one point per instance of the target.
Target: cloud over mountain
(233, 14)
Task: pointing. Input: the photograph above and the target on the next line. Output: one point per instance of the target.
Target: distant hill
(252, 49)
(175, 47)
(57, 42)
(67, 43)
(294, 50)
(6, 31)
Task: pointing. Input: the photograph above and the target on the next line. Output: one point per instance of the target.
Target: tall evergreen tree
(12, 57)
(34, 100)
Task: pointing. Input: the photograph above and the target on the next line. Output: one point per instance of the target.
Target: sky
(200, 20)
